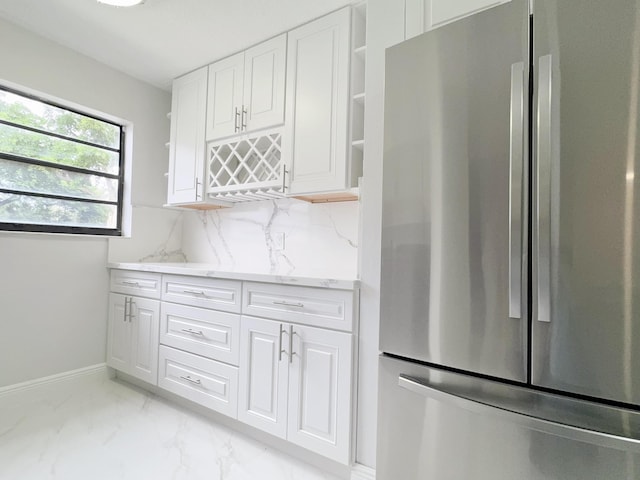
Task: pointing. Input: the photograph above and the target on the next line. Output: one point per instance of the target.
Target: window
(61, 170)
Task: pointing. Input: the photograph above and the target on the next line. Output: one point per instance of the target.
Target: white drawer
(131, 282)
(202, 292)
(209, 333)
(318, 307)
(203, 381)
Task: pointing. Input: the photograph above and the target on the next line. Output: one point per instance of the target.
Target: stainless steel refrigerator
(510, 299)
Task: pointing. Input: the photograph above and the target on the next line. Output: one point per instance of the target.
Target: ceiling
(162, 39)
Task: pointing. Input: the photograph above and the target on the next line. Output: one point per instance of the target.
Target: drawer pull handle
(195, 292)
(191, 380)
(193, 332)
(289, 304)
(131, 282)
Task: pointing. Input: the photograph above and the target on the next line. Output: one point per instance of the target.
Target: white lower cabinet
(319, 411)
(289, 374)
(212, 334)
(201, 380)
(199, 340)
(132, 342)
(295, 383)
(264, 372)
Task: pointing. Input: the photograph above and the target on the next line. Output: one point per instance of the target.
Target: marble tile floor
(95, 428)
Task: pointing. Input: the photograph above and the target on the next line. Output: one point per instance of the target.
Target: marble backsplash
(281, 237)
(156, 236)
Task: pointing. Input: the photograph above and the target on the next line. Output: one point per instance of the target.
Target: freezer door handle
(527, 419)
(543, 179)
(516, 156)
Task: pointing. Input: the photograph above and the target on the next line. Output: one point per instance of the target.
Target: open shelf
(358, 87)
(359, 25)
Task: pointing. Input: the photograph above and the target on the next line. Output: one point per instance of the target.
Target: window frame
(120, 177)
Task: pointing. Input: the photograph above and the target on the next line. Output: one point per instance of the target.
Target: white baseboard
(360, 472)
(100, 370)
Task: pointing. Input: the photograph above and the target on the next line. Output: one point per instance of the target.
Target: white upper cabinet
(225, 97)
(316, 140)
(264, 82)
(424, 15)
(247, 90)
(283, 118)
(187, 146)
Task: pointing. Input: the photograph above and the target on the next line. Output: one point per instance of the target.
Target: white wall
(385, 27)
(53, 289)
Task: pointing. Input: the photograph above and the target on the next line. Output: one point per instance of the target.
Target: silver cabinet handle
(235, 122)
(291, 352)
(193, 332)
(126, 302)
(284, 177)
(543, 179)
(198, 192)
(288, 304)
(244, 118)
(516, 156)
(131, 304)
(191, 380)
(280, 350)
(194, 292)
(131, 282)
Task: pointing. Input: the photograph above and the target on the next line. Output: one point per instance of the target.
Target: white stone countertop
(206, 270)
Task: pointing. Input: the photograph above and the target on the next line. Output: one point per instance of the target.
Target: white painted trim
(99, 370)
(360, 472)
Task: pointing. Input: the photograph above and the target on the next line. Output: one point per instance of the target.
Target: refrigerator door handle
(516, 156)
(543, 178)
(523, 418)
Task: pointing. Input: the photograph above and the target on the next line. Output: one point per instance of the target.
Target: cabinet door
(187, 146)
(225, 97)
(264, 77)
(424, 15)
(145, 329)
(320, 392)
(119, 333)
(263, 375)
(318, 104)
